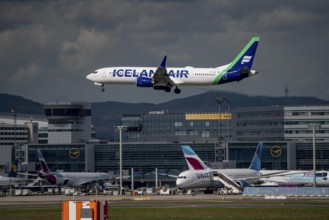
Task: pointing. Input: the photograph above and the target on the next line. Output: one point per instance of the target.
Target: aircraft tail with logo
(256, 160)
(13, 170)
(240, 67)
(193, 160)
(45, 171)
(43, 164)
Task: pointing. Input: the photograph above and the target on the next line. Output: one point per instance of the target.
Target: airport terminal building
(281, 123)
(153, 140)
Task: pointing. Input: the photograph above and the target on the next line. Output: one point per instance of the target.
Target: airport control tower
(68, 122)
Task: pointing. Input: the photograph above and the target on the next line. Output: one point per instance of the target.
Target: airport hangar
(153, 140)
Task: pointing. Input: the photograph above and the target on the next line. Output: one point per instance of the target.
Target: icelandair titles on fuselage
(180, 73)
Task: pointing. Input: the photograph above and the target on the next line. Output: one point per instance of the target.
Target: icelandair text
(179, 73)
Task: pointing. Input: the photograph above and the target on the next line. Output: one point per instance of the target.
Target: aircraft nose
(89, 76)
(178, 183)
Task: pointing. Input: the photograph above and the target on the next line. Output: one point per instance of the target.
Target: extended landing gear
(177, 90)
(102, 88)
(167, 89)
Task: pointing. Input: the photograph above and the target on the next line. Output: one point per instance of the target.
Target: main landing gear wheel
(167, 89)
(177, 91)
(102, 89)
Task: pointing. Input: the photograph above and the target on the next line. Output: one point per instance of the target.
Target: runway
(176, 201)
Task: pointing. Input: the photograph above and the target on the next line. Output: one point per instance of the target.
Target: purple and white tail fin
(43, 164)
(193, 160)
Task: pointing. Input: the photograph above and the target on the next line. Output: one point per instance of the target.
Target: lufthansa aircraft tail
(13, 170)
(193, 160)
(256, 160)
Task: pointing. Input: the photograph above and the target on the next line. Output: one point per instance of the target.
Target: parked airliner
(200, 175)
(73, 179)
(163, 78)
(299, 178)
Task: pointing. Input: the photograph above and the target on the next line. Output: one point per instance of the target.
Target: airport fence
(286, 191)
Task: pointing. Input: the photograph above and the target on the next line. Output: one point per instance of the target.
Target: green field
(139, 213)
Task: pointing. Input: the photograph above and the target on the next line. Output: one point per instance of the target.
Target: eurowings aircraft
(11, 179)
(73, 179)
(200, 175)
(163, 78)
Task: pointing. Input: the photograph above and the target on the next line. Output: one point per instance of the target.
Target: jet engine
(144, 82)
(242, 183)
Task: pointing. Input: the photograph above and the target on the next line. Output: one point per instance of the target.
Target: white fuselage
(8, 181)
(78, 179)
(164, 78)
(299, 177)
(181, 76)
(202, 178)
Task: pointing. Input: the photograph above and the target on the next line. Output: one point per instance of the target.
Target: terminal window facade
(58, 157)
(297, 121)
(304, 156)
(167, 127)
(144, 158)
(258, 124)
(9, 134)
(274, 154)
(79, 112)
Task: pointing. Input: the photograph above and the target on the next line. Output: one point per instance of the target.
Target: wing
(161, 77)
(162, 81)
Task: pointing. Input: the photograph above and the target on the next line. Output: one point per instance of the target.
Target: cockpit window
(95, 71)
(182, 177)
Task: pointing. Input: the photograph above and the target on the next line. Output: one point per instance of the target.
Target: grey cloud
(54, 44)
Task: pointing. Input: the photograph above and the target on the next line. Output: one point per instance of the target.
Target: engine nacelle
(144, 82)
(242, 183)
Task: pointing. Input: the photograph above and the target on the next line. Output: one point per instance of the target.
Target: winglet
(256, 160)
(193, 160)
(164, 61)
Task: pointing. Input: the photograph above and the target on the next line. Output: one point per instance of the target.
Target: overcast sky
(48, 47)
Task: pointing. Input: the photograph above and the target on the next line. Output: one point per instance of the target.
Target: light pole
(219, 101)
(120, 129)
(314, 127)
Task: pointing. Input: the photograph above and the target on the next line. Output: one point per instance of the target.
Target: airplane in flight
(200, 175)
(163, 78)
(73, 179)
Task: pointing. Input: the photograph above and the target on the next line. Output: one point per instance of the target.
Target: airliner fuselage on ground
(73, 179)
(298, 177)
(163, 78)
(201, 176)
